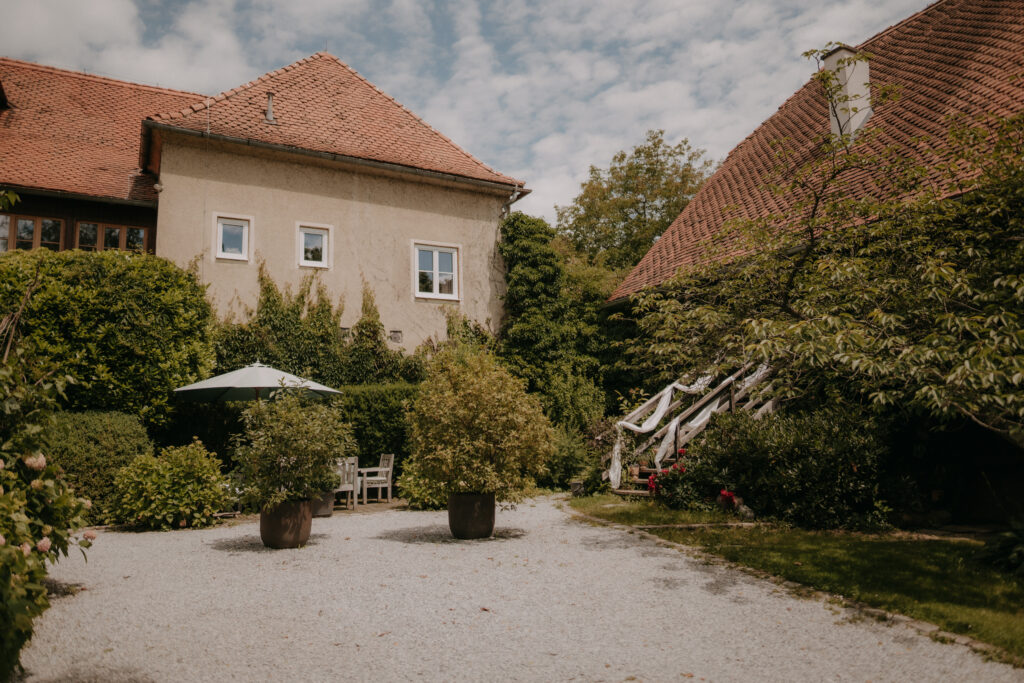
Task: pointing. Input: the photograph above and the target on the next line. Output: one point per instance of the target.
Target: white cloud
(540, 90)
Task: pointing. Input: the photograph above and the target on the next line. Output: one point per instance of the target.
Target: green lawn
(939, 581)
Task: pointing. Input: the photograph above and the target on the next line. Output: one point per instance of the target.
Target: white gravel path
(390, 596)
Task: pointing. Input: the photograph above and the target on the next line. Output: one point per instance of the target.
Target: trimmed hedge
(377, 413)
(91, 447)
(128, 327)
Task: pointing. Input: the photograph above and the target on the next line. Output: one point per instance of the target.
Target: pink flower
(44, 544)
(89, 535)
(26, 549)
(87, 503)
(3, 541)
(2, 464)
(35, 462)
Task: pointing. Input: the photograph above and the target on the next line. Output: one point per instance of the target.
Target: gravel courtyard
(390, 596)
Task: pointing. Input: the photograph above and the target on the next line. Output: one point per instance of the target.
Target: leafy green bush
(377, 413)
(91, 447)
(290, 448)
(38, 510)
(568, 459)
(301, 333)
(816, 470)
(1006, 550)
(183, 487)
(474, 429)
(675, 487)
(128, 327)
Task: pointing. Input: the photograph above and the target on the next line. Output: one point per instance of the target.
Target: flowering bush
(183, 487)
(38, 510)
(676, 488)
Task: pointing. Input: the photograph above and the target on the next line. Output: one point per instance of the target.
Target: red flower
(728, 497)
(650, 483)
(681, 451)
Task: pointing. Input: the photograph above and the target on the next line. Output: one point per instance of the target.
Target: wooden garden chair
(348, 470)
(378, 477)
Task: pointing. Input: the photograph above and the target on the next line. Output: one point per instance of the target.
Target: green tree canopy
(620, 211)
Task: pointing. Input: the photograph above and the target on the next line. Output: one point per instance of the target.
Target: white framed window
(232, 236)
(436, 270)
(313, 245)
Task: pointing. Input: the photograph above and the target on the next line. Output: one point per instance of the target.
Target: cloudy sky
(539, 89)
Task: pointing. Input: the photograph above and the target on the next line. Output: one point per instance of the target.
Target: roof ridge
(418, 118)
(209, 100)
(898, 25)
(96, 77)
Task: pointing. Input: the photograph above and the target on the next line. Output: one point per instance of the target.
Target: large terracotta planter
(471, 515)
(287, 525)
(323, 505)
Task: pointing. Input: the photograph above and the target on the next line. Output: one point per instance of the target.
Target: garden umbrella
(247, 384)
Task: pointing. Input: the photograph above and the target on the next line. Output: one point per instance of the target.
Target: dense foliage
(290, 448)
(549, 335)
(38, 509)
(182, 487)
(569, 458)
(620, 211)
(129, 327)
(301, 333)
(474, 429)
(377, 413)
(913, 305)
(817, 470)
(91, 447)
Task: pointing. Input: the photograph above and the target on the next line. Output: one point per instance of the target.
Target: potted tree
(476, 438)
(286, 456)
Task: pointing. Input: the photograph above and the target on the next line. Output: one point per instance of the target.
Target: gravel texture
(391, 596)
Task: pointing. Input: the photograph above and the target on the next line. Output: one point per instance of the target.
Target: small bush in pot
(182, 487)
(286, 457)
(474, 432)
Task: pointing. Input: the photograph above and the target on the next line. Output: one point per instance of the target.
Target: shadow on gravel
(101, 674)
(439, 533)
(253, 544)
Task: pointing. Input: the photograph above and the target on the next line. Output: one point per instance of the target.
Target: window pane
(26, 231)
(426, 282)
(231, 237)
(111, 238)
(3, 243)
(425, 259)
(49, 233)
(313, 247)
(5, 226)
(87, 233)
(444, 261)
(135, 239)
(445, 283)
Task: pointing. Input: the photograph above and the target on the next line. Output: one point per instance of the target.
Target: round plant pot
(287, 525)
(471, 515)
(323, 505)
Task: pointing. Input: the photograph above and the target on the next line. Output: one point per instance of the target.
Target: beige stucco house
(308, 170)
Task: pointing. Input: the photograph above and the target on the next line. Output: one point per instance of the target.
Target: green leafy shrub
(568, 459)
(128, 327)
(290, 448)
(377, 414)
(677, 488)
(91, 447)
(183, 487)
(474, 429)
(39, 512)
(817, 470)
(301, 333)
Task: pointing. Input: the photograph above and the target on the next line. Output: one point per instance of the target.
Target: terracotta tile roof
(954, 57)
(323, 105)
(73, 132)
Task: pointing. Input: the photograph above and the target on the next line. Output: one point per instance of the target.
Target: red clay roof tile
(322, 104)
(67, 131)
(954, 57)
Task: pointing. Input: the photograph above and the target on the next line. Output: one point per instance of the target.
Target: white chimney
(853, 106)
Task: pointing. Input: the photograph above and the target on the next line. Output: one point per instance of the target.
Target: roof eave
(64, 194)
(503, 188)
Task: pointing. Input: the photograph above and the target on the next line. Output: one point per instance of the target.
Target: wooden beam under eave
(156, 145)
